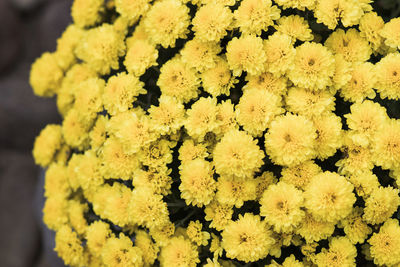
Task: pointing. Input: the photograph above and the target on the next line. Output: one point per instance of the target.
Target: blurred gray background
(27, 29)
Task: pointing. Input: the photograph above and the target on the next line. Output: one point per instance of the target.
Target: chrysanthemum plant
(223, 133)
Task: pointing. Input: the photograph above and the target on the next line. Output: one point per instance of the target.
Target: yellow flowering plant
(223, 133)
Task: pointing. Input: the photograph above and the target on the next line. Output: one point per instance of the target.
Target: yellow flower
(280, 53)
(96, 235)
(254, 16)
(132, 10)
(386, 146)
(296, 27)
(211, 21)
(226, 118)
(116, 163)
(256, 109)
(88, 97)
(101, 48)
(385, 245)
(263, 182)
(365, 183)
(298, 4)
(140, 56)
(147, 209)
(309, 103)
(66, 45)
(200, 55)
(350, 44)
(381, 204)
(341, 252)
(76, 214)
(267, 81)
(47, 144)
(179, 252)
(165, 27)
(147, 246)
(69, 248)
(329, 197)
(313, 67)
(219, 214)
(281, 206)
(247, 239)
(357, 157)
(313, 230)
(178, 80)
(246, 54)
(370, 28)
(119, 251)
(197, 183)
(290, 140)
(237, 154)
(55, 212)
(390, 32)
(343, 72)
(361, 83)
(46, 75)
(198, 237)
(190, 151)
(329, 135)
(75, 129)
(218, 79)
(354, 227)
(366, 118)
(388, 71)
(155, 179)
(201, 118)
(300, 175)
(234, 192)
(88, 171)
(56, 181)
(98, 133)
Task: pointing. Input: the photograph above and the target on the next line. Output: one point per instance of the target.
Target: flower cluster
(222, 133)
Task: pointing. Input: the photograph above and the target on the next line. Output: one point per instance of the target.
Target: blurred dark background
(27, 29)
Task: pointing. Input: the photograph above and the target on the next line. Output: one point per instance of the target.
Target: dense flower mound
(223, 133)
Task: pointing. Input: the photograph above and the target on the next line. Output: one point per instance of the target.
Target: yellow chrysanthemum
(56, 181)
(362, 83)
(119, 252)
(69, 248)
(178, 80)
(263, 182)
(298, 4)
(350, 44)
(218, 79)
(96, 235)
(370, 27)
(120, 93)
(198, 237)
(386, 146)
(300, 175)
(254, 16)
(237, 154)
(381, 205)
(200, 55)
(101, 48)
(256, 110)
(388, 71)
(341, 252)
(234, 192)
(66, 45)
(385, 245)
(219, 214)
(267, 81)
(246, 54)
(390, 32)
(179, 252)
(157, 180)
(211, 21)
(88, 97)
(75, 129)
(296, 27)
(76, 215)
(329, 135)
(355, 228)
(132, 10)
(313, 68)
(165, 27)
(309, 103)
(280, 53)
(46, 75)
(87, 13)
(329, 197)
(147, 246)
(365, 183)
(290, 140)
(140, 56)
(247, 239)
(313, 230)
(343, 72)
(197, 183)
(47, 144)
(281, 206)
